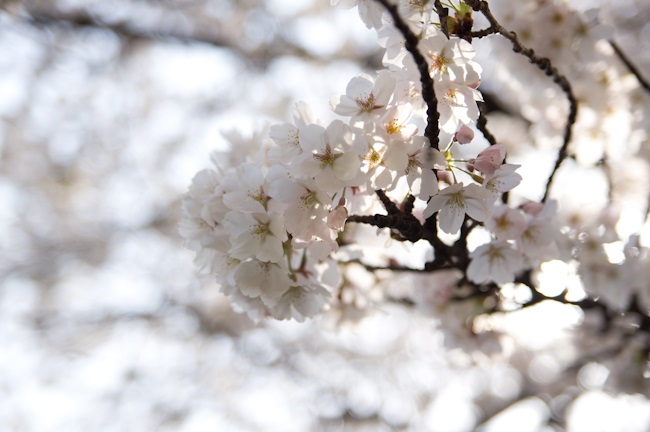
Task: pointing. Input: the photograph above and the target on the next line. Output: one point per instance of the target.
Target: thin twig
(443, 13)
(635, 71)
(642, 81)
(408, 226)
(389, 205)
(408, 204)
(481, 125)
(432, 130)
(545, 65)
(395, 268)
(485, 32)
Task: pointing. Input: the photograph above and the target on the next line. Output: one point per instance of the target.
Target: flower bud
(464, 135)
(532, 208)
(445, 176)
(490, 159)
(337, 217)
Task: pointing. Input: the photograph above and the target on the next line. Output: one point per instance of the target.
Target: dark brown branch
(408, 226)
(395, 268)
(408, 204)
(82, 19)
(389, 205)
(485, 32)
(481, 125)
(432, 130)
(443, 13)
(635, 71)
(545, 65)
(645, 84)
(131, 30)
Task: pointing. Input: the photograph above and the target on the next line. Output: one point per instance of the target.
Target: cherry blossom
(256, 235)
(265, 280)
(503, 180)
(365, 96)
(495, 261)
(457, 104)
(464, 135)
(287, 135)
(450, 59)
(490, 159)
(329, 157)
(370, 11)
(454, 202)
(506, 223)
(538, 238)
(422, 160)
(301, 301)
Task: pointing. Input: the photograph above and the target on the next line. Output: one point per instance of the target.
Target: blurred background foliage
(107, 109)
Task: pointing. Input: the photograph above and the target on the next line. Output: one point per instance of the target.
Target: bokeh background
(107, 110)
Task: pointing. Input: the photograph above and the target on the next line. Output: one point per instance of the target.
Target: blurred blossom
(107, 109)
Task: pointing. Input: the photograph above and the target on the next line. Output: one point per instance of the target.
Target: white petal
(383, 88)
(451, 217)
(396, 157)
(347, 166)
(435, 204)
(302, 114)
(311, 138)
(477, 209)
(478, 270)
(270, 250)
(429, 184)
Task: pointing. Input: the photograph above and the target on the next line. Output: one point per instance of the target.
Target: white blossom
(304, 299)
(365, 97)
(256, 235)
(329, 158)
(503, 180)
(265, 280)
(496, 261)
(506, 223)
(454, 202)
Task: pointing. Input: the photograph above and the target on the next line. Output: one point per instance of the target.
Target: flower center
(259, 196)
(366, 102)
(450, 97)
(414, 163)
(310, 199)
(392, 127)
(326, 158)
(439, 63)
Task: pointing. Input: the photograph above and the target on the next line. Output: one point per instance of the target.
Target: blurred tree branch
(279, 45)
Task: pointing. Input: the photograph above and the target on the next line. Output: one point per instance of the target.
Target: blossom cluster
(600, 228)
(255, 229)
(267, 228)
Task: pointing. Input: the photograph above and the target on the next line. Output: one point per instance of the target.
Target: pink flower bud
(445, 176)
(464, 135)
(490, 159)
(337, 217)
(532, 208)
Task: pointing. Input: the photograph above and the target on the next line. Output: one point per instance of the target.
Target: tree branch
(481, 124)
(635, 71)
(432, 130)
(545, 65)
(443, 13)
(129, 30)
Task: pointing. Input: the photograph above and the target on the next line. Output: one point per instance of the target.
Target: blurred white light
(597, 411)
(526, 415)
